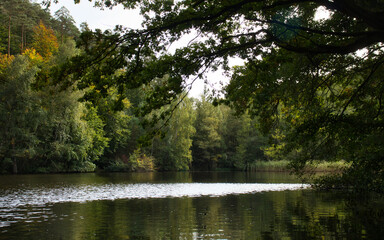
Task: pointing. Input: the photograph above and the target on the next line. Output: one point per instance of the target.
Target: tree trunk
(22, 39)
(62, 33)
(14, 166)
(9, 37)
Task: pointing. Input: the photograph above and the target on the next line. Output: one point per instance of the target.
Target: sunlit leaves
(35, 58)
(5, 61)
(44, 41)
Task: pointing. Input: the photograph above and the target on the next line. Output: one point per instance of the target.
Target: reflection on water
(40, 196)
(181, 206)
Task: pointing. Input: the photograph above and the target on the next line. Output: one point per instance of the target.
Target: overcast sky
(97, 18)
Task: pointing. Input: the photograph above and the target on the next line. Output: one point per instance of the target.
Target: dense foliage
(19, 19)
(314, 81)
(45, 128)
(311, 82)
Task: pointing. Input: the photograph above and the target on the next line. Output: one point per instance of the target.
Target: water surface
(226, 205)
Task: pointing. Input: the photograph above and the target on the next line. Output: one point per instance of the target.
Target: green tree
(327, 123)
(18, 17)
(173, 151)
(65, 24)
(71, 137)
(116, 128)
(251, 143)
(66, 50)
(45, 130)
(207, 147)
(13, 14)
(20, 115)
(332, 93)
(243, 143)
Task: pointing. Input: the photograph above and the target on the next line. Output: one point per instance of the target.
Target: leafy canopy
(320, 77)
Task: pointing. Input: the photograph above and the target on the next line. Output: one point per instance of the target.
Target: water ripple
(35, 204)
(83, 193)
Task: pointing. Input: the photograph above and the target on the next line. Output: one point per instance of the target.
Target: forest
(80, 100)
(48, 128)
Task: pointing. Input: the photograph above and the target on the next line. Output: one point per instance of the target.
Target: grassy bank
(281, 166)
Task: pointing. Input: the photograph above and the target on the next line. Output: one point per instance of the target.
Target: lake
(183, 205)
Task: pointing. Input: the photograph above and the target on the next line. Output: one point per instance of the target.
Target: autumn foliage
(44, 41)
(34, 57)
(5, 60)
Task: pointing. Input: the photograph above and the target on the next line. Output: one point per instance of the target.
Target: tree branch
(369, 39)
(365, 82)
(348, 7)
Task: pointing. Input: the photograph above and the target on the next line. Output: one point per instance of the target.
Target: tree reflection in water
(303, 214)
(298, 214)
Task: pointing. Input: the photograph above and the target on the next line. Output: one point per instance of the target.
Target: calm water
(225, 205)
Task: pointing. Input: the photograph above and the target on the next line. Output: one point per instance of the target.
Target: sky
(108, 19)
(97, 18)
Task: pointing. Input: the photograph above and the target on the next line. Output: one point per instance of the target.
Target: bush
(137, 162)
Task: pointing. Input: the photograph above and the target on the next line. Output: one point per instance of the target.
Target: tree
(44, 41)
(71, 136)
(116, 128)
(66, 24)
(45, 130)
(20, 114)
(17, 19)
(5, 61)
(331, 92)
(173, 151)
(207, 147)
(247, 142)
(339, 118)
(13, 13)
